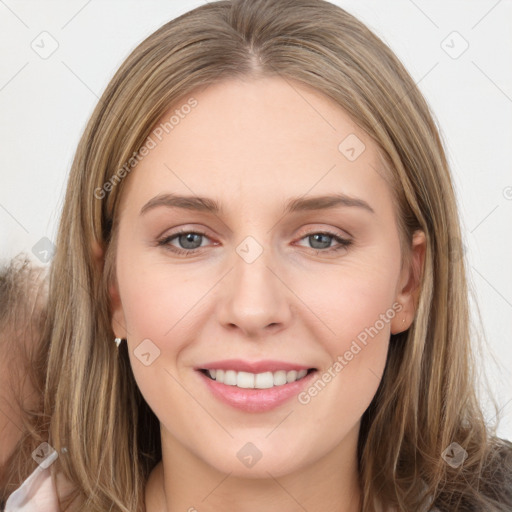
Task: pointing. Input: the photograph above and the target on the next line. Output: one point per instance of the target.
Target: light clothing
(37, 493)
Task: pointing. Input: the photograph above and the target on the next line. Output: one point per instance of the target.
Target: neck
(183, 482)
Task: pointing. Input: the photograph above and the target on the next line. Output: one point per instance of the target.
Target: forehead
(261, 138)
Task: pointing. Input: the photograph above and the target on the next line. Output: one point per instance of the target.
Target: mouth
(255, 392)
(249, 380)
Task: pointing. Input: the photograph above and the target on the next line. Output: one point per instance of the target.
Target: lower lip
(256, 400)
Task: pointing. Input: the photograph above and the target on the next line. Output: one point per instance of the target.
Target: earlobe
(409, 286)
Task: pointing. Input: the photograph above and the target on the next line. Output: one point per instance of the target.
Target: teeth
(291, 376)
(256, 380)
(263, 380)
(230, 377)
(245, 380)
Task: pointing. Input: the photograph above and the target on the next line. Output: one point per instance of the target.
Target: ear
(98, 254)
(408, 289)
(117, 319)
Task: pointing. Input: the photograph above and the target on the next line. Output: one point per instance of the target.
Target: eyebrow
(297, 204)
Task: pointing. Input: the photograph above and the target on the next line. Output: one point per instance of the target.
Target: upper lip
(252, 366)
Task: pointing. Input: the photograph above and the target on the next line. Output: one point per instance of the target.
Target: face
(271, 282)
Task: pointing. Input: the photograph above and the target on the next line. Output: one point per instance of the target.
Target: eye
(321, 241)
(190, 242)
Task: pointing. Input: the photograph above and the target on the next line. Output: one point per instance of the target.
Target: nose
(255, 298)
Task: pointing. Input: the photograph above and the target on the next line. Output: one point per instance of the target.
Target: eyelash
(343, 242)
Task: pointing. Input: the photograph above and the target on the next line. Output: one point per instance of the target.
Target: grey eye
(322, 244)
(190, 240)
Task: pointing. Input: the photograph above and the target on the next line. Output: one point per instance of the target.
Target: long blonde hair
(93, 414)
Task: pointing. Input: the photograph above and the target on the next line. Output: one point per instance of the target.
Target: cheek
(158, 305)
(363, 304)
(158, 300)
(164, 305)
(351, 298)
(355, 308)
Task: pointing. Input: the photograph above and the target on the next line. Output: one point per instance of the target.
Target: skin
(251, 145)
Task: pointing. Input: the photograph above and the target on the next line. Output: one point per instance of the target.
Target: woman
(261, 368)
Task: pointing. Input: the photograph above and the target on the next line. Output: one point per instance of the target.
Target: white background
(45, 103)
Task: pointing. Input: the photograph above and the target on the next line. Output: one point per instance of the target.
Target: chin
(257, 460)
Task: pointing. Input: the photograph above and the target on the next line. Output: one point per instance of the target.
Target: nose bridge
(254, 297)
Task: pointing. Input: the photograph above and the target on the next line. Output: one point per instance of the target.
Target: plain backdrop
(58, 56)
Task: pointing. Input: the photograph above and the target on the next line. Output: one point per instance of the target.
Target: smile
(248, 380)
(255, 392)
